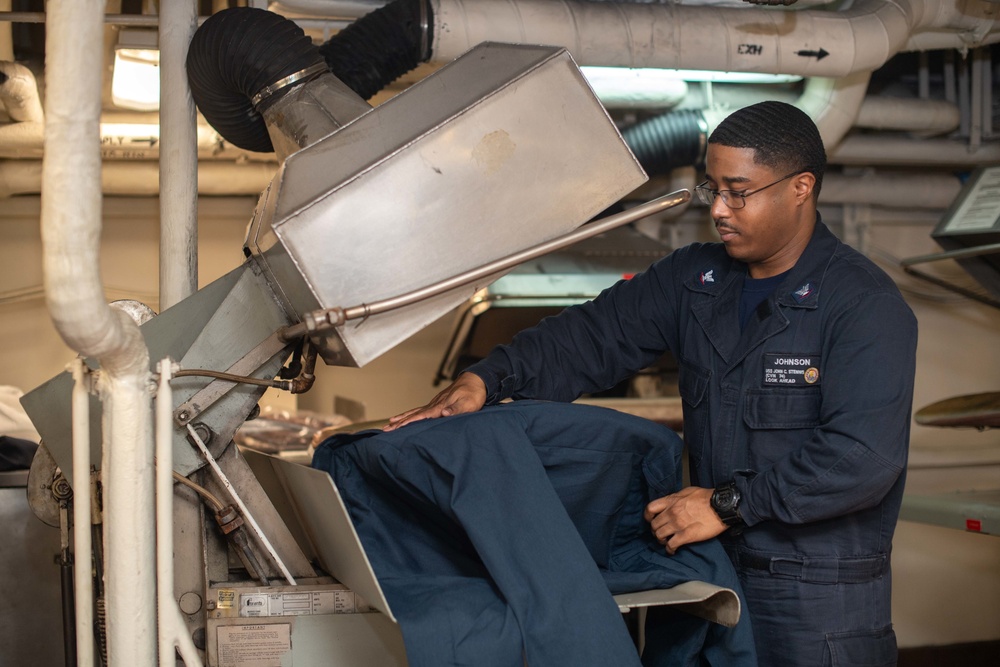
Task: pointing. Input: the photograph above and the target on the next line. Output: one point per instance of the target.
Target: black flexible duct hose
(666, 142)
(234, 55)
(381, 46)
(238, 52)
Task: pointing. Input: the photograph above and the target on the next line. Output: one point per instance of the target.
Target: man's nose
(719, 208)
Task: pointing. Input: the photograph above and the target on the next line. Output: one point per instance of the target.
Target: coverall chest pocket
(776, 419)
(692, 383)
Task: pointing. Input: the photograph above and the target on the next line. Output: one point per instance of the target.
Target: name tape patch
(791, 370)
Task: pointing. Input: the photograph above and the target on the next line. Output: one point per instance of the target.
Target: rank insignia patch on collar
(707, 277)
(802, 293)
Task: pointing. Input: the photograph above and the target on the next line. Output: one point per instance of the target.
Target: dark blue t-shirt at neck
(755, 291)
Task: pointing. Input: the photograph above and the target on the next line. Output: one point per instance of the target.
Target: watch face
(723, 499)
(725, 502)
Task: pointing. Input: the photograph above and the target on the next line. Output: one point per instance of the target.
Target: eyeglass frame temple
(742, 195)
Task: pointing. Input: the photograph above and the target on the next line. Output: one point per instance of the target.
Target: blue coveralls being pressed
(806, 408)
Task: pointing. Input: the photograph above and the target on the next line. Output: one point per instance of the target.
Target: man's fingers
(467, 394)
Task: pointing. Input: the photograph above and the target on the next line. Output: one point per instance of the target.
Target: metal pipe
(144, 20)
(247, 516)
(962, 253)
(332, 317)
(165, 515)
(178, 157)
(82, 543)
(171, 626)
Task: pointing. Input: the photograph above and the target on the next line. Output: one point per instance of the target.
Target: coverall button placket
(724, 461)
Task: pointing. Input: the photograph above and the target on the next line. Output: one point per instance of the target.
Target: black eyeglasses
(733, 198)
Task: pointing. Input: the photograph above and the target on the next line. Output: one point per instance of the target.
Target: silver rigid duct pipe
(178, 157)
(810, 42)
(71, 223)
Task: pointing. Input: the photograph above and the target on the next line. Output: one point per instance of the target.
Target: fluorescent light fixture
(135, 83)
(653, 76)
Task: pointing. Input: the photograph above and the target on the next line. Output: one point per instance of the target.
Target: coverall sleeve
(588, 347)
(858, 451)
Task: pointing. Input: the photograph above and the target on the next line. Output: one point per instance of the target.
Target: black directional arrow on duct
(146, 140)
(818, 55)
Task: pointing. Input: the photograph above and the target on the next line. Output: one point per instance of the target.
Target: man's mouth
(726, 233)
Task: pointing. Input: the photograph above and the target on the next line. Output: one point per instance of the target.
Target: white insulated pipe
(171, 629)
(890, 189)
(909, 115)
(342, 9)
(128, 478)
(809, 42)
(165, 515)
(70, 226)
(83, 579)
(19, 93)
(23, 177)
(124, 139)
(882, 150)
(178, 156)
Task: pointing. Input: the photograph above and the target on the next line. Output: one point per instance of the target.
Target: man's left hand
(684, 517)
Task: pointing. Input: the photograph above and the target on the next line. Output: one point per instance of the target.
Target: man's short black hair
(782, 136)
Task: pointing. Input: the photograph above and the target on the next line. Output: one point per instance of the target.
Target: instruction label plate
(254, 645)
(304, 603)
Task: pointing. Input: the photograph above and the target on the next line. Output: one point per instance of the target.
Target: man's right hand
(465, 394)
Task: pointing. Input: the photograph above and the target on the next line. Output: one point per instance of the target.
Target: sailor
(796, 362)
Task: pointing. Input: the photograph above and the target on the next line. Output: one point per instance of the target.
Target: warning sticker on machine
(254, 645)
(301, 604)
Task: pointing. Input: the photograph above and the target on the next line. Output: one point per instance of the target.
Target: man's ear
(804, 184)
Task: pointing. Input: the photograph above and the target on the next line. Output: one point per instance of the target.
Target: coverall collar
(800, 289)
(718, 316)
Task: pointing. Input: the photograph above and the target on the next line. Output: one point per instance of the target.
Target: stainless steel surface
(31, 613)
(216, 389)
(502, 149)
(324, 518)
(212, 329)
(261, 511)
(319, 321)
(309, 112)
(361, 640)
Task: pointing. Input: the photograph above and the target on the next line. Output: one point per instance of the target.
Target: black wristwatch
(726, 503)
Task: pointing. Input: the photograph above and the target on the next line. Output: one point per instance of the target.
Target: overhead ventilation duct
(808, 42)
(227, 74)
(236, 83)
(381, 46)
(668, 141)
(504, 147)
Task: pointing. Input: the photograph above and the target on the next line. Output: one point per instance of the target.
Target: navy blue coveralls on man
(807, 407)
